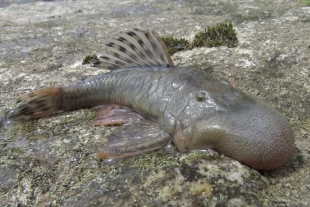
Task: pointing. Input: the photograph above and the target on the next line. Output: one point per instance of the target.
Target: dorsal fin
(135, 48)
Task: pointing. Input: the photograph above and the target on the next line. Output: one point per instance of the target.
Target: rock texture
(52, 161)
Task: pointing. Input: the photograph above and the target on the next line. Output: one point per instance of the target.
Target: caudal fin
(37, 104)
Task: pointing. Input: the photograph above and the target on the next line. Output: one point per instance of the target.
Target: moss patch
(221, 34)
(175, 44)
(90, 59)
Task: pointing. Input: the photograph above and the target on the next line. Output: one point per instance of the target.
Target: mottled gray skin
(197, 111)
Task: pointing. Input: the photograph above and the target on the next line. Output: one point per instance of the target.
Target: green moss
(175, 44)
(194, 156)
(306, 2)
(90, 58)
(221, 34)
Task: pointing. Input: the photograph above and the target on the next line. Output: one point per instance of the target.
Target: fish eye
(201, 96)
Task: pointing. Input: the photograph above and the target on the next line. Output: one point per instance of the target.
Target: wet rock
(53, 161)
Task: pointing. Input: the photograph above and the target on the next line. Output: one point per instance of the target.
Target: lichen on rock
(53, 162)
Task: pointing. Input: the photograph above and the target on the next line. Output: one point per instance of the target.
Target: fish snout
(259, 137)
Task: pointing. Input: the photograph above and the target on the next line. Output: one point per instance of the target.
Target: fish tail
(37, 104)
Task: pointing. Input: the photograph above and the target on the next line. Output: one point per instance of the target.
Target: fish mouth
(259, 137)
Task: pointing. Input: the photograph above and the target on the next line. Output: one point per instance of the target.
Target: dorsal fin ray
(120, 57)
(155, 46)
(136, 43)
(135, 48)
(130, 54)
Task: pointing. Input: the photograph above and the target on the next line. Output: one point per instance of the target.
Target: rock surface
(52, 161)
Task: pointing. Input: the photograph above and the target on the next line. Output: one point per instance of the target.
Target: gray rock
(52, 161)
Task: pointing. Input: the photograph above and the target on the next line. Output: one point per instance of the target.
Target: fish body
(157, 103)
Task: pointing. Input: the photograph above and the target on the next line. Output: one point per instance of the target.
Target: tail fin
(37, 104)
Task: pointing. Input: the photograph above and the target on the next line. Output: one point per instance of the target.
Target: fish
(156, 103)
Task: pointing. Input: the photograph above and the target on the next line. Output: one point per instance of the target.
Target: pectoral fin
(133, 139)
(113, 114)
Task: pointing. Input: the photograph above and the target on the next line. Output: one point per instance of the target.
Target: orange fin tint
(37, 104)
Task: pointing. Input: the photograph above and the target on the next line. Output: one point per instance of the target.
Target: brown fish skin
(181, 104)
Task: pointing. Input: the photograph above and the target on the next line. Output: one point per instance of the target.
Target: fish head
(239, 126)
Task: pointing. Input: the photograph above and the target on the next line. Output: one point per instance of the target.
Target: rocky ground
(52, 161)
